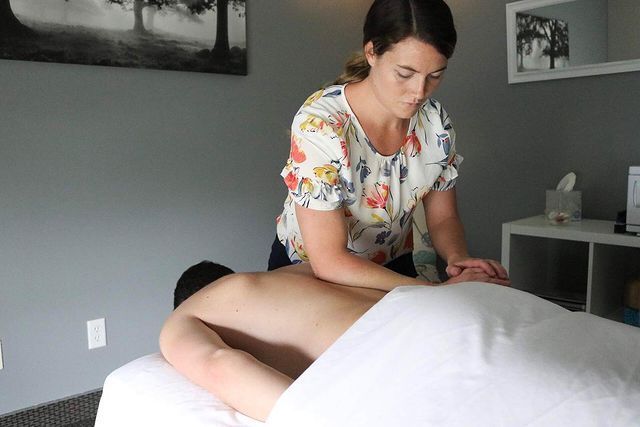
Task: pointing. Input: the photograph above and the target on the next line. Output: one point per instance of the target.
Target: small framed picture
(541, 43)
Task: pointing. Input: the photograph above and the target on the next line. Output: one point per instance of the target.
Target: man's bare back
(285, 319)
(246, 336)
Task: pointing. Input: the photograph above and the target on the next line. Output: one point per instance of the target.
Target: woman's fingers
(476, 274)
(471, 274)
(489, 266)
(501, 272)
(453, 270)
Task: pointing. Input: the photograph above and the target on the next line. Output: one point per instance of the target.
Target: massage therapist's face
(405, 75)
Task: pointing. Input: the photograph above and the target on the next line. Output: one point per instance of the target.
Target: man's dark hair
(197, 277)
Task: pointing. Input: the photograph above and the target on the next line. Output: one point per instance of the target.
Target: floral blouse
(333, 165)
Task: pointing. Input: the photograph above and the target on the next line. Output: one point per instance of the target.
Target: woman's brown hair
(391, 21)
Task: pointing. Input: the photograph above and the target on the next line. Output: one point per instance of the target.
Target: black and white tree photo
(541, 43)
(184, 35)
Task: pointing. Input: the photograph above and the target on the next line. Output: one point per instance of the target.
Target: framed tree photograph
(559, 39)
(542, 43)
(184, 35)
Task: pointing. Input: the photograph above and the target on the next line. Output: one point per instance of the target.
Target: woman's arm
(325, 241)
(444, 225)
(447, 234)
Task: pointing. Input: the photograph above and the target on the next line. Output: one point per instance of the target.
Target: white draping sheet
(470, 354)
(149, 392)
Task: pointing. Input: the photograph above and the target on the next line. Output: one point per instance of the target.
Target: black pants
(403, 264)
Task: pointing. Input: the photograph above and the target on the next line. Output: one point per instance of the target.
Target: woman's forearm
(350, 270)
(448, 238)
(445, 227)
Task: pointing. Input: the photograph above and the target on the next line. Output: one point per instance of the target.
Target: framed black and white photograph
(542, 43)
(559, 39)
(184, 35)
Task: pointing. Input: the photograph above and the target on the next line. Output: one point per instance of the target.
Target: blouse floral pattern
(333, 165)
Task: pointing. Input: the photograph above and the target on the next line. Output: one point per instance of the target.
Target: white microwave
(633, 200)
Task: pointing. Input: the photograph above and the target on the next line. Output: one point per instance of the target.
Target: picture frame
(541, 43)
(197, 35)
(580, 44)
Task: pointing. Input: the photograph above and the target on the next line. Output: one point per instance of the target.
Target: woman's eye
(403, 76)
(435, 76)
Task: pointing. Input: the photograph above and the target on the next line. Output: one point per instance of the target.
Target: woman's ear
(369, 53)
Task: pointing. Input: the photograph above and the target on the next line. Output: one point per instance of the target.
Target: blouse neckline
(354, 118)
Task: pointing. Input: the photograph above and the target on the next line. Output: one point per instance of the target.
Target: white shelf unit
(584, 260)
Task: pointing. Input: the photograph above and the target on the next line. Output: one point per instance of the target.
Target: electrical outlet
(1, 363)
(96, 333)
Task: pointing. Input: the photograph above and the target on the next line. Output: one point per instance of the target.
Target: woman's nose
(421, 90)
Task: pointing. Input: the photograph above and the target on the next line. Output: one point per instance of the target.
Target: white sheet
(470, 355)
(150, 392)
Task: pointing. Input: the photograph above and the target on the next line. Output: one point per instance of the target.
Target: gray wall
(624, 31)
(115, 180)
(519, 140)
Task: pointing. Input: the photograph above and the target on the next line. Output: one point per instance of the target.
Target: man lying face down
(246, 336)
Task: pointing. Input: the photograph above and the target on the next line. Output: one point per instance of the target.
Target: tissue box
(563, 206)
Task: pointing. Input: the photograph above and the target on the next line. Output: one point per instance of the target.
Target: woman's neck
(386, 132)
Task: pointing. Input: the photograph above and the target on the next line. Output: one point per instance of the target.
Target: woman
(246, 336)
(367, 150)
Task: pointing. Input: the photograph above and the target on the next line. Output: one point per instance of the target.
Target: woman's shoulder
(432, 105)
(325, 110)
(325, 101)
(433, 110)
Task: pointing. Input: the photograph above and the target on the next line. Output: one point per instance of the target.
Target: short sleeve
(316, 173)
(445, 137)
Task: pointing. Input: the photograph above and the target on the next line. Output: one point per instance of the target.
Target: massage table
(470, 354)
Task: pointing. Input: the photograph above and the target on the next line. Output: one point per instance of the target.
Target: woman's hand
(447, 235)
(481, 270)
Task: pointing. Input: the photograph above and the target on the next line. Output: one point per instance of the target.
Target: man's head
(197, 277)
